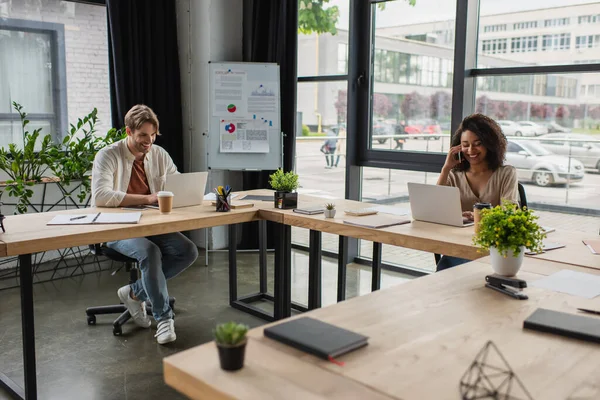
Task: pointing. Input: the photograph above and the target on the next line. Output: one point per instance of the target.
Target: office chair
(522, 204)
(130, 266)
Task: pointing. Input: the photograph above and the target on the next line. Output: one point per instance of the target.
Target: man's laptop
(437, 204)
(188, 188)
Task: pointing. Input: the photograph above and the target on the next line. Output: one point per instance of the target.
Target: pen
(589, 311)
(76, 218)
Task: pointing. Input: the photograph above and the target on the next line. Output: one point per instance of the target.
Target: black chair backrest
(522, 196)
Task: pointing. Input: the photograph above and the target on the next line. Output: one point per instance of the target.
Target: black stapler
(500, 283)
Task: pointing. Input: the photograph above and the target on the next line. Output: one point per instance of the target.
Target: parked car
(575, 145)
(382, 128)
(538, 165)
(511, 128)
(553, 127)
(537, 128)
(423, 127)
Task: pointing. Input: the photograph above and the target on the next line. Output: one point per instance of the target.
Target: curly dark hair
(491, 136)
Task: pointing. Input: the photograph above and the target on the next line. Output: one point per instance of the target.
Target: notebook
(310, 210)
(547, 246)
(97, 218)
(316, 337)
(376, 221)
(563, 324)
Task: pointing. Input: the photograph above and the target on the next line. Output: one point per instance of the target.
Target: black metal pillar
(376, 267)
(342, 262)
(314, 270)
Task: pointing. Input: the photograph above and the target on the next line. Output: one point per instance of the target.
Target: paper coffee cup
(165, 201)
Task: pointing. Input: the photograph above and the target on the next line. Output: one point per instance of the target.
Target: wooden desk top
(575, 252)
(434, 238)
(423, 336)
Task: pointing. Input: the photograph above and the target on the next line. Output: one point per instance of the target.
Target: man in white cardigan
(128, 173)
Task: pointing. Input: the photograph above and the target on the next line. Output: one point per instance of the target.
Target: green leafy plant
(73, 160)
(283, 181)
(305, 130)
(330, 206)
(25, 164)
(508, 227)
(230, 333)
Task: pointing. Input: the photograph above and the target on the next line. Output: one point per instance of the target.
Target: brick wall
(86, 48)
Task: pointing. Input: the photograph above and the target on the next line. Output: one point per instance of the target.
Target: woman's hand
(468, 215)
(451, 158)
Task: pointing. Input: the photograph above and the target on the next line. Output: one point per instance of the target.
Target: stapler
(504, 285)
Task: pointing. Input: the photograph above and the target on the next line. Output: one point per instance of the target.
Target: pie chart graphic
(230, 128)
(231, 108)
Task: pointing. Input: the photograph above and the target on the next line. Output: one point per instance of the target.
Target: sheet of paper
(229, 94)
(571, 282)
(72, 219)
(118, 218)
(262, 98)
(593, 245)
(244, 136)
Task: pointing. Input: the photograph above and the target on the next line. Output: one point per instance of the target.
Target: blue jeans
(449, 262)
(159, 257)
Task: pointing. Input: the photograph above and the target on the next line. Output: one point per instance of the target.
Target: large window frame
(59, 118)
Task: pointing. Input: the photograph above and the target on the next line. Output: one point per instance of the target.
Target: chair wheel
(117, 331)
(91, 319)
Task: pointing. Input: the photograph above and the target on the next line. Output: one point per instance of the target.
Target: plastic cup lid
(163, 193)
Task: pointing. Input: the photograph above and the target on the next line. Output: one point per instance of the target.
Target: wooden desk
(27, 234)
(423, 336)
(575, 252)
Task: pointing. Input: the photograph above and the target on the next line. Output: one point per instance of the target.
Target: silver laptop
(188, 188)
(437, 204)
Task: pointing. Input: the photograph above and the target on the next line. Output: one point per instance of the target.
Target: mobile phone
(458, 156)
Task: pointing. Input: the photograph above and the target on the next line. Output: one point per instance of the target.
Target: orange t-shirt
(138, 183)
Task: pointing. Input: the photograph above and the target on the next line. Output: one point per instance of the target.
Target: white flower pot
(509, 265)
(329, 213)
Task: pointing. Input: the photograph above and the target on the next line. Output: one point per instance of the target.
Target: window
(588, 41)
(523, 44)
(556, 22)
(494, 28)
(342, 58)
(53, 61)
(494, 46)
(588, 19)
(512, 147)
(525, 25)
(556, 42)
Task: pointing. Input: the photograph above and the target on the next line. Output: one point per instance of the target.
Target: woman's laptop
(188, 188)
(437, 204)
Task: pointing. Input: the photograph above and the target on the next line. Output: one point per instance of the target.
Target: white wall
(208, 30)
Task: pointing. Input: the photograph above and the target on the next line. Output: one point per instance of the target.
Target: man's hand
(152, 198)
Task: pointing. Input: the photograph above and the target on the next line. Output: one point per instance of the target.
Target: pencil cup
(165, 202)
(223, 203)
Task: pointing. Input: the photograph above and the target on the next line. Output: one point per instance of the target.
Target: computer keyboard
(359, 212)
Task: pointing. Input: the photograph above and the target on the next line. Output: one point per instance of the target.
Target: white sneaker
(165, 331)
(136, 308)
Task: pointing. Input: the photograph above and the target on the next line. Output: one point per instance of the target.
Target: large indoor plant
(506, 230)
(231, 341)
(284, 184)
(74, 158)
(25, 163)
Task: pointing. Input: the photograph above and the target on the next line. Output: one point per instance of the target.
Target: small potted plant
(284, 184)
(231, 342)
(506, 230)
(329, 210)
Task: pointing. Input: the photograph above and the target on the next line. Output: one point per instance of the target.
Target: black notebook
(569, 325)
(316, 337)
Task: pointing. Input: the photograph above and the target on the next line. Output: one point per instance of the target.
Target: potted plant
(506, 230)
(231, 342)
(329, 210)
(284, 184)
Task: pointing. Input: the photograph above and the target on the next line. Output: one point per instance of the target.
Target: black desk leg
(376, 267)
(342, 262)
(28, 333)
(232, 264)
(314, 270)
(262, 255)
(283, 282)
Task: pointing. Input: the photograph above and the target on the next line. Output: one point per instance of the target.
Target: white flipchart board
(245, 117)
